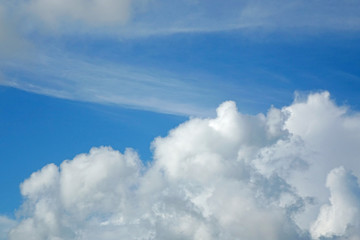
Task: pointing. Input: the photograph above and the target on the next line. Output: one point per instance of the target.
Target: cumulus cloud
(343, 213)
(5, 225)
(234, 176)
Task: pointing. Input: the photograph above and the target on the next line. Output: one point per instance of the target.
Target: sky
(189, 119)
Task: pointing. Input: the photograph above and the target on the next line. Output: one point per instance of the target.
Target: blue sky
(121, 73)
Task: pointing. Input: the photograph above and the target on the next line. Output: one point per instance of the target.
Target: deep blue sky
(69, 83)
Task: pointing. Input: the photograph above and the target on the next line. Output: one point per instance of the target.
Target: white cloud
(5, 225)
(235, 176)
(12, 44)
(108, 83)
(37, 25)
(134, 18)
(343, 213)
(169, 17)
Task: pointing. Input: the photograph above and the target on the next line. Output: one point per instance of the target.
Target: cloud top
(234, 176)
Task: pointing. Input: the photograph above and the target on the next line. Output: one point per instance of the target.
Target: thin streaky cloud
(78, 79)
(105, 82)
(139, 18)
(75, 77)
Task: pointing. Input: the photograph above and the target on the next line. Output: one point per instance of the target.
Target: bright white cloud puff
(290, 174)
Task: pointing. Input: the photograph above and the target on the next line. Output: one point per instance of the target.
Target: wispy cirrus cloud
(38, 25)
(111, 83)
(136, 18)
(142, 18)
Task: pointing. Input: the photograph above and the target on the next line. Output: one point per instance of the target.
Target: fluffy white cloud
(235, 176)
(90, 187)
(343, 213)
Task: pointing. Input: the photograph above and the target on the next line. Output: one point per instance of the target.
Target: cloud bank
(290, 174)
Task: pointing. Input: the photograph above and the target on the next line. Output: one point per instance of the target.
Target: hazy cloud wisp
(134, 18)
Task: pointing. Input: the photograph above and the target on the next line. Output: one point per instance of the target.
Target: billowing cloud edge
(290, 174)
